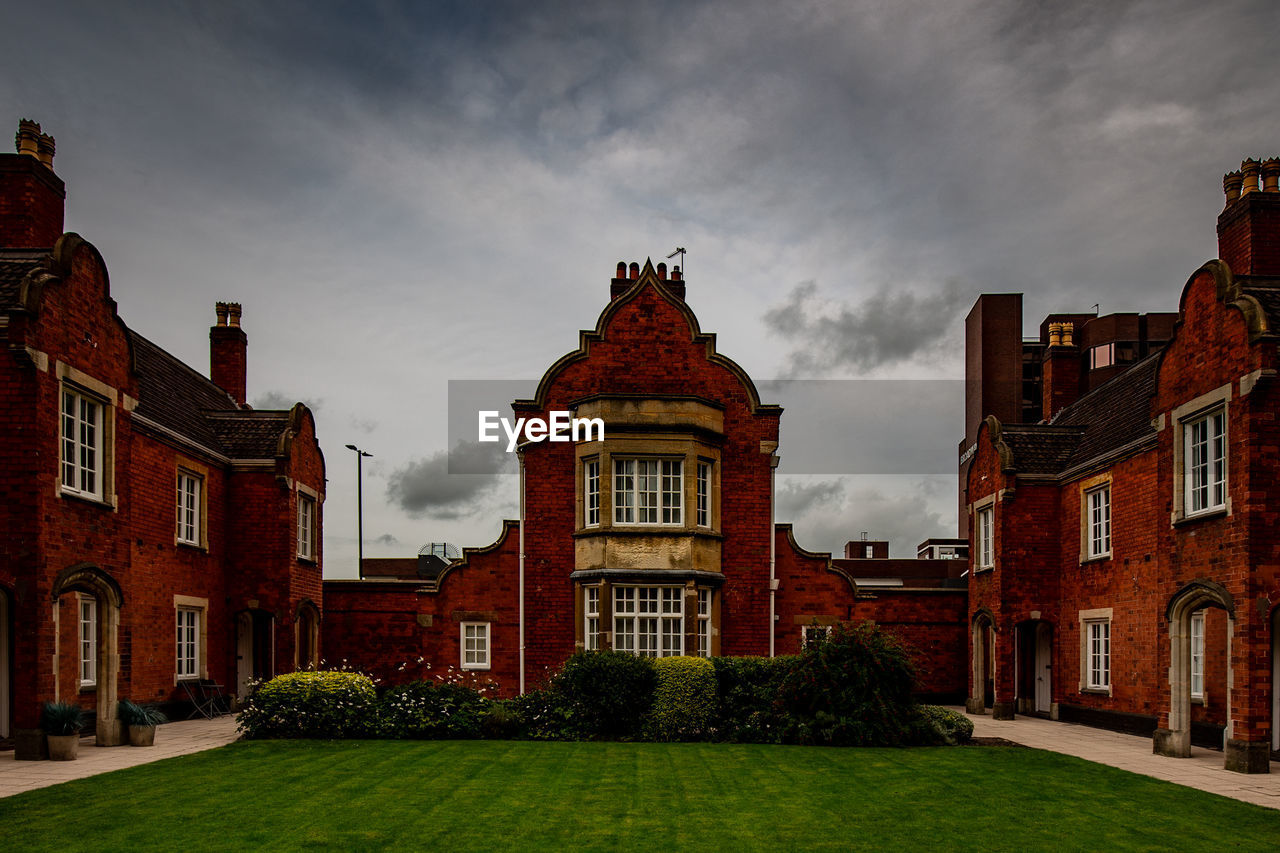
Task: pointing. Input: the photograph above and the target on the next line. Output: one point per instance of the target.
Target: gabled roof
(184, 401)
(1113, 416)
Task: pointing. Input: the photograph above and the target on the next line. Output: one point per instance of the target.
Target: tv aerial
(680, 252)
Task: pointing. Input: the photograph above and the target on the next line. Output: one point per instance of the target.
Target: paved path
(171, 739)
(1202, 770)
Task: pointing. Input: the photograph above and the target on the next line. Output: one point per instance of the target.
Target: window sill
(307, 561)
(475, 668)
(1203, 515)
(1096, 691)
(88, 499)
(984, 569)
(88, 688)
(191, 546)
(1100, 558)
(1199, 700)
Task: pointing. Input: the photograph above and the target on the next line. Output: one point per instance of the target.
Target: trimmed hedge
(684, 700)
(310, 705)
(951, 727)
(609, 693)
(747, 709)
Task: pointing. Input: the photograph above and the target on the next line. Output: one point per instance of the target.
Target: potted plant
(141, 721)
(61, 723)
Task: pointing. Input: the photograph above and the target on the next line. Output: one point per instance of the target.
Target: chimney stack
(1249, 225)
(32, 197)
(228, 352)
(1060, 383)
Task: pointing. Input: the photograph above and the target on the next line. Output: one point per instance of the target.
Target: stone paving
(1202, 770)
(171, 739)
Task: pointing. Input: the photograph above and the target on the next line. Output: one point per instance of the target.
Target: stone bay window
(647, 542)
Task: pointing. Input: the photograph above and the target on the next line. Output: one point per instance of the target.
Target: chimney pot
(1055, 334)
(233, 314)
(44, 150)
(1271, 175)
(635, 270)
(662, 271)
(27, 139)
(622, 269)
(221, 309)
(676, 275)
(1249, 168)
(1068, 333)
(1231, 183)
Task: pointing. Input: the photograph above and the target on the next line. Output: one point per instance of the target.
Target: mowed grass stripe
(495, 795)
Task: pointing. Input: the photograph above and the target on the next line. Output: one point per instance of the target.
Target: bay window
(648, 491)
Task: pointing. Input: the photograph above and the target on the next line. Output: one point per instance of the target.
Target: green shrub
(61, 718)
(684, 700)
(852, 690)
(747, 709)
(545, 715)
(609, 692)
(310, 705)
(950, 727)
(427, 710)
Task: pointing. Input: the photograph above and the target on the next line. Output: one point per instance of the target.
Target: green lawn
(482, 795)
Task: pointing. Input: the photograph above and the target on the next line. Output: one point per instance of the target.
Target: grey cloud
(886, 327)
(387, 539)
(425, 487)
(828, 513)
(796, 498)
(281, 400)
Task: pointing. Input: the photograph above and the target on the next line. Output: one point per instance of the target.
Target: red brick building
(153, 528)
(658, 539)
(1125, 555)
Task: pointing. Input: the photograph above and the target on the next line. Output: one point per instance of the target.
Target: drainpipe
(773, 556)
(520, 581)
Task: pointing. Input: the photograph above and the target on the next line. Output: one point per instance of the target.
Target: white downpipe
(520, 581)
(773, 557)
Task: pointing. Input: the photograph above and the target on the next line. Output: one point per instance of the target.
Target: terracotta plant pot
(142, 735)
(64, 747)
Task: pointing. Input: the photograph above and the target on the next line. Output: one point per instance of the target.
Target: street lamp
(360, 455)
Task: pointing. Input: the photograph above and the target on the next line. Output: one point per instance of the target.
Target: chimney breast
(228, 352)
(1249, 226)
(32, 197)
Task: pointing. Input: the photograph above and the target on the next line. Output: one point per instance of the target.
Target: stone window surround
(108, 398)
(201, 606)
(691, 451)
(693, 618)
(978, 507)
(478, 665)
(191, 468)
(306, 493)
(1189, 411)
(1094, 484)
(1085, 617)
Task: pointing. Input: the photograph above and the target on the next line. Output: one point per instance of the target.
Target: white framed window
(1197, 655)
(1205, 462)
(475, 645)
(986, 549)
(703, 508)
(591, 492)
(306, 527)
(88, 641)
(810, 634)
(704, 623)
(188, 647)
(1098, 508)
(1102, 356)
(648, 491)
(649, 620)
(591, 618)
(81, 440)
(190, 497)
(1098, 654)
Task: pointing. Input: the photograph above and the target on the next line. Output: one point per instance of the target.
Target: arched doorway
(108, 598)
(983, 685)
(255, 648)
(1175, 741)
(306, 636)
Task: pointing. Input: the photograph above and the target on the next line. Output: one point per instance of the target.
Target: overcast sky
(407, 194)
